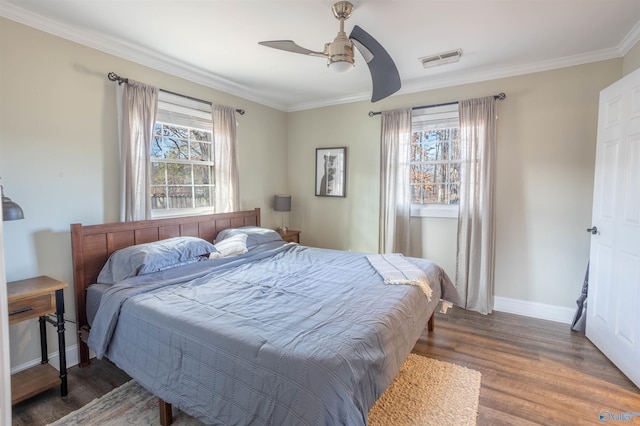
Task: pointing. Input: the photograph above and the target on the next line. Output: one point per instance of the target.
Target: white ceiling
(215, 42)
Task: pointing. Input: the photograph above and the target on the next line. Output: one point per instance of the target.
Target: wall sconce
(10, 210)
(282, 203)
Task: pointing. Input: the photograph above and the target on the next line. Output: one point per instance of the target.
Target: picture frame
(331, 172)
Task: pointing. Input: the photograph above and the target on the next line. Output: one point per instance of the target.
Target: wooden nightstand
(37, 298)
(290, 235)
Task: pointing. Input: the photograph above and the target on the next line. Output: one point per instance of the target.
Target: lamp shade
(282, 203)
(10, 210)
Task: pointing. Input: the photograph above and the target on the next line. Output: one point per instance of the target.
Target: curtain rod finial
(115, 77)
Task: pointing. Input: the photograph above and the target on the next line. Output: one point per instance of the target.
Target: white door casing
(5, 366)
(613, 313)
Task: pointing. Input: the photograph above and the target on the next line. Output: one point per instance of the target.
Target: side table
(37, 298)
(290, 235)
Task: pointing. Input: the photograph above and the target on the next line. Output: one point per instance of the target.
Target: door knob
(593, 230)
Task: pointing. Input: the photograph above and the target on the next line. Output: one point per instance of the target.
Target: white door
(613, 312)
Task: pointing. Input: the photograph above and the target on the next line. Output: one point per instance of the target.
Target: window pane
(180, 197)
(429, 194)
(179, 174)
(175, 148)
(176, 132)
(156, 148)
(200, 135)
(158, 197)
(455, 148)
(158, 176)
(419, 173)
(454, 172)
(417, 149)
(454, 193)
(204, 196)
(201, 151)
(439, 173)
(416, 196)
(202, 174)
(440, 194)
(429, 150)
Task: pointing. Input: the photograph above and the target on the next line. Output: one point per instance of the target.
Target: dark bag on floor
(580, 319)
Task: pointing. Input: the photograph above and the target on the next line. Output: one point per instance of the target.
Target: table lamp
(282, 203)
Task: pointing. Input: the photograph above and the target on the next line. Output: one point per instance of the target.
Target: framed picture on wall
(331, 172)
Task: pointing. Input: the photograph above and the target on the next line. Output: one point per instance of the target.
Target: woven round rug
(425, 392)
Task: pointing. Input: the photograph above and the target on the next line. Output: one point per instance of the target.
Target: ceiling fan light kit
(340, 53)
(449, 57)
(340, 57)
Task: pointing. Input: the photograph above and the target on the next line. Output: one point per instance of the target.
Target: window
(182, 165)
(435, 162)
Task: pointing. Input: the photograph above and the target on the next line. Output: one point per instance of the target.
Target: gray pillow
(255, 235)
(152, 257)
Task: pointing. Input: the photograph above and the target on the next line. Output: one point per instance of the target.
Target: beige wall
(631, 60)
(58, 154)
(58, 159)
(547, 133)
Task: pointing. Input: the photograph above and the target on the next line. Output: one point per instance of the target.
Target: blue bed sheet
(284, 335)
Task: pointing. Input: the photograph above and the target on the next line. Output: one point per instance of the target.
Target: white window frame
(446, 112)
(172, 109)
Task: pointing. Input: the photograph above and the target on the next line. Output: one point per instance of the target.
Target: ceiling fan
(339, 54)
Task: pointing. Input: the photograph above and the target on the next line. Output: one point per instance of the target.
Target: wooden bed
(92, 245)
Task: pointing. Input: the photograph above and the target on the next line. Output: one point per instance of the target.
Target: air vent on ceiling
(441, 58)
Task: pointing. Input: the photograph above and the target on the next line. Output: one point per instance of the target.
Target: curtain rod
(499, 96)
(115, 77)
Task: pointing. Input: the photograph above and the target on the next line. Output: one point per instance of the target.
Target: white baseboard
(534, 309)
(54, 360)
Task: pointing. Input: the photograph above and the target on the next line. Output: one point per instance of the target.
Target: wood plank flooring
(533, 372)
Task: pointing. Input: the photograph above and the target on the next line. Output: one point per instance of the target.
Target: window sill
(435, 210)
(162, 214)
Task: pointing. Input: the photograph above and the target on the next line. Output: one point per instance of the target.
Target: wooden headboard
(92, 245)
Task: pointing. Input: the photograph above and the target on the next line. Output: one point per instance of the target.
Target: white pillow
(231, 246)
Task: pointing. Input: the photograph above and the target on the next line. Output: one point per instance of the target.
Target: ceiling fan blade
(290, 46)
(384, 74)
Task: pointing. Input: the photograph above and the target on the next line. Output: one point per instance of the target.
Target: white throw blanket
(395, 269)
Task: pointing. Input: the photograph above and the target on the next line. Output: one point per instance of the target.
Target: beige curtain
(137, 107)
(225, 153)
(475, 250)
(395, 193)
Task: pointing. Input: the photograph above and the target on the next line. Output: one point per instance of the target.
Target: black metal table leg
(43, 340)
(61, 342)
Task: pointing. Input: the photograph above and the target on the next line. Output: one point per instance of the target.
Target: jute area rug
(425, 392)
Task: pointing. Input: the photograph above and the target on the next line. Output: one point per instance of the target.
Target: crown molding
(508, 71)
(157, 61)
(630, 40)
(119, 48)
(475, 76)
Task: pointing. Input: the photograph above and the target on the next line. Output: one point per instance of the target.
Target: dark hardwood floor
(85, 384)
(533, 372)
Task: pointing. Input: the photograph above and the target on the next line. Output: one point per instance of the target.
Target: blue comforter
(283, 335)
